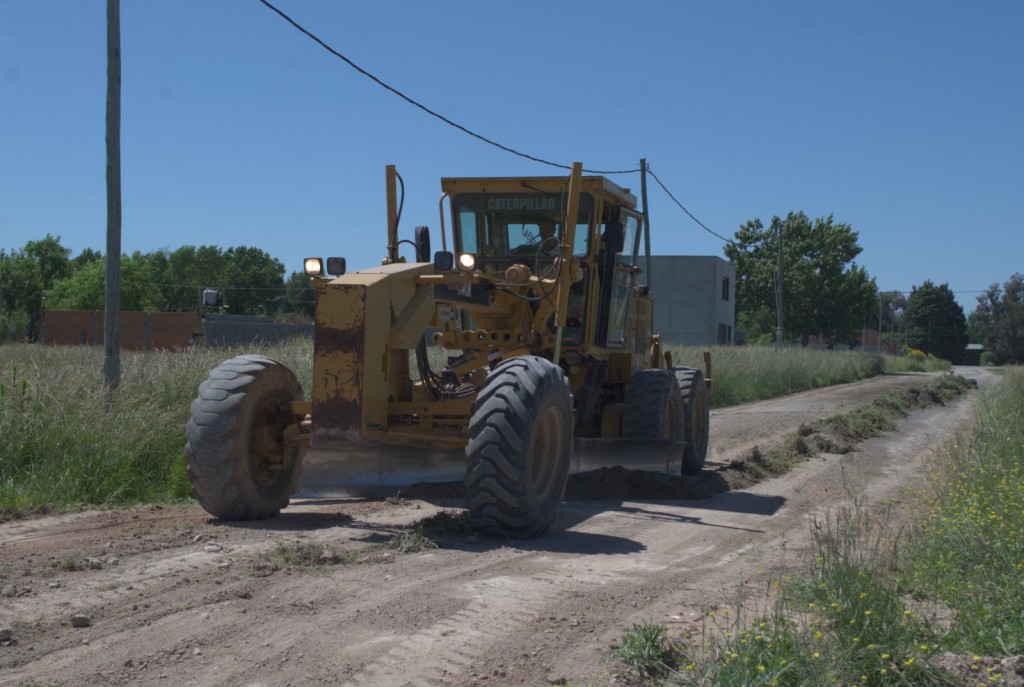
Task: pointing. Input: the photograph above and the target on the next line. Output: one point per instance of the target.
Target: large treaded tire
(697, 409)
(520, 445)
(654, 408)
(236, 461)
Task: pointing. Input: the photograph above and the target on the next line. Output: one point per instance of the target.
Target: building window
(723, 333)
(725, 288)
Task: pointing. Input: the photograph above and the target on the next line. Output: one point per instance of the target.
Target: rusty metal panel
(339, 349)
(354, 360)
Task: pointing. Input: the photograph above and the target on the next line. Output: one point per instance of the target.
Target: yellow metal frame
(368, 323)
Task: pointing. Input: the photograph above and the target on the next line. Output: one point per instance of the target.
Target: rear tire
(654, 408)
(697, 409)
(520, 444)
(236, 459)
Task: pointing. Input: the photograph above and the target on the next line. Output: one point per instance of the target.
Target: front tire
(520, 445)
(236, 455)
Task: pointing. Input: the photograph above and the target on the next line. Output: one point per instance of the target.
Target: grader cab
(521, 354)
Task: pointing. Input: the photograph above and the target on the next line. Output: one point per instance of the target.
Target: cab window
(502, 225)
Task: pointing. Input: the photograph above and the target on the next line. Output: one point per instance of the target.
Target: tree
(43, 274)
(300, 296)
(85, 289)
(892, 305)
(175, 279)
(253, 280)
(935, 322)
(825, 293)
(1000, 320)
(249, 279)
(25, 276)
(87, 256)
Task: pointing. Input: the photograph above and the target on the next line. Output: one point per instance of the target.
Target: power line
(309, 34)
(426, 109)
(223, 288)
(676, 201)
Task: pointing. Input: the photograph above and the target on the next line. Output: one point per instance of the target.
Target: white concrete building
(694, 299)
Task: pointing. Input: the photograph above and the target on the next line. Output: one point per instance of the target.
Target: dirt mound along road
(171, 596)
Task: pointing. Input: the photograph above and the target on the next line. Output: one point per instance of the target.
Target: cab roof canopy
(596, 185)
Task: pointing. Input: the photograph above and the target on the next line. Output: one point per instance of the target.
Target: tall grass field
(70, 443)
(929, 594)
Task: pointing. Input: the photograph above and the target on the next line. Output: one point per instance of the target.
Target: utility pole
(648, 279)
(879, 340)
(778, 296)
(112, 307)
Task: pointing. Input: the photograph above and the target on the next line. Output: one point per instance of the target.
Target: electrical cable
(426, 109)
(482, 138)
(683, 208)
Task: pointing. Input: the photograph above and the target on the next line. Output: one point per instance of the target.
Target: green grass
(70, 443)
(887, 595)
(970, 553)
(742, 374)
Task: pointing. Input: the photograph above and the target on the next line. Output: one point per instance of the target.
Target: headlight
(467, 262)
(443, 261)
(335, 266)
(313, 267)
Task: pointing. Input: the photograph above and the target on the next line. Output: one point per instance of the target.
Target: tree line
(802, 269)
(43, 275)
(804, 273)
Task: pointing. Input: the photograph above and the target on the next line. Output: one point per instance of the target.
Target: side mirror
(422, 244)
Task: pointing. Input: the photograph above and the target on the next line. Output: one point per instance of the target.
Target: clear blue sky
(903, 119)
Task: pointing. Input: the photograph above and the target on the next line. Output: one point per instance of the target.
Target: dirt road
(171, 596)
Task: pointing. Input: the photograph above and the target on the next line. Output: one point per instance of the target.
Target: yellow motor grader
(523, 352)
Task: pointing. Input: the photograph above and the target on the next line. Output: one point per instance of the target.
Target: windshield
(503, 225)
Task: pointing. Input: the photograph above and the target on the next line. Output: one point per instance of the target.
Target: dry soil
(162, 596)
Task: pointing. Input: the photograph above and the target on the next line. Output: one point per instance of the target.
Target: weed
(742, 374)
(411, 541)
(72, 561)
(447, 523)
(306, 555)
(849, 619)
(70, 443)
(840, 433)
(73, 444)
(647, 649)
(970, 547)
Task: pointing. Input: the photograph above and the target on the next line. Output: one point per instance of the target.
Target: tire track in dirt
(511, 612)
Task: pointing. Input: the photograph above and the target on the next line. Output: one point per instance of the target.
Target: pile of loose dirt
(622, 484)
(609, 483)
(823, 436)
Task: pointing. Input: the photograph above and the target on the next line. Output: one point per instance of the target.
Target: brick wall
(140, 331)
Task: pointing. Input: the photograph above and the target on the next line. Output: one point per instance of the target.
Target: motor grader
(520, 354)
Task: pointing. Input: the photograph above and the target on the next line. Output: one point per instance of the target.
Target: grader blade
(384, 470)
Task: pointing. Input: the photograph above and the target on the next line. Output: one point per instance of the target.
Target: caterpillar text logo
(529, 203)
